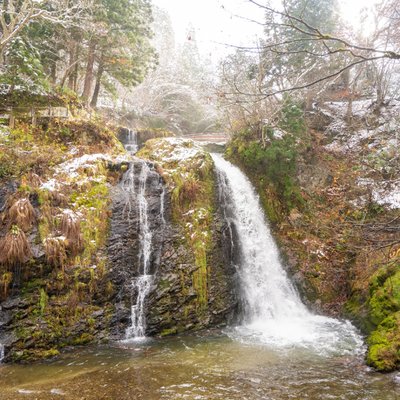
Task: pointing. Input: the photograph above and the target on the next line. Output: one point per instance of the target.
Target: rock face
(176, 302)
(125, 241)
(110, 221)
(54, 209)
(173, 305)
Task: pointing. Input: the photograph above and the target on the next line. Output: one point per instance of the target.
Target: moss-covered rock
(195, 281)
(61, 295)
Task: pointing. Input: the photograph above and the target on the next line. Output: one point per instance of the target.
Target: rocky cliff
(70, 239)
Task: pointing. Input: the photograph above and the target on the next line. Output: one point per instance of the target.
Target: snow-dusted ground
(385, 193)
(177, 150)
(70, 169)
(371, 139)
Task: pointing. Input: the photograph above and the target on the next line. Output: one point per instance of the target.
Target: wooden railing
(32, 113)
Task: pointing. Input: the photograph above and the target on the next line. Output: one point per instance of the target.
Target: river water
(279, 351)
(213, 366)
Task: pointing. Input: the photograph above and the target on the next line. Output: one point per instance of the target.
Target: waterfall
(131, 145)
(2, 352)
(141, 284)
(162, 205)
(273, 312)
(139, 176)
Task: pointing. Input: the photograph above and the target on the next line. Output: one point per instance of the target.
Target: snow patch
(86, 161)
(51, 185)
(386, 193)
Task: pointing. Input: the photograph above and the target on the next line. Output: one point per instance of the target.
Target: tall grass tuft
(14, 248)
(22, 214)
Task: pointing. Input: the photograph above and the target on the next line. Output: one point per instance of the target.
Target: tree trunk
(76, 69)
(73, 74)
(71, 68)
(100, 72)
(87, 87)
(11, 123)
(53, 72)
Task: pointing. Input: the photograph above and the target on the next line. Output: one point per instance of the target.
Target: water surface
(215, 366)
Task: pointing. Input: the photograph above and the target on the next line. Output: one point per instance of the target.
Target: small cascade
(131, 146)
(273, 311)
(144, 229)
(162, 205)
(141, 185)
(142, 284)
(2, 352)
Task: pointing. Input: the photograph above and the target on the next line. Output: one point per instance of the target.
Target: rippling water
(211, 367)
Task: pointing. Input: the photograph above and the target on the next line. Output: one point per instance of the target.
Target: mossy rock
(384, 294)
(384, 345)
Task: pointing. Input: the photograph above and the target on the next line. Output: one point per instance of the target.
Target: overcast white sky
(215, 21)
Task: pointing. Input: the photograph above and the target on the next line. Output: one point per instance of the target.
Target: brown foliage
(21, 213)
(5, 281)
(55, 251)
(14, 248)
(70, 227)
(72, 301)
(32, 180)
(191, 189)
(80, 132)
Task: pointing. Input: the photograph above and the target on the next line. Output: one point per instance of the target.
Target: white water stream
(132, 146)
(141, 284)
(273, 312)
(1, 352)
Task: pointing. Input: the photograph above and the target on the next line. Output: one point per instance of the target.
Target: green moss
(164, 284)
(169, 332)
(43, 300)
(85, 338)
(384, 295)
(384, 344)
(93, 203)
(379, 315)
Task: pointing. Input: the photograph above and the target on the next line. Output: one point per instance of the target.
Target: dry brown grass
(72, 301)
(5, 282)
(55, 249)
(191, 189)
(14, 248)
(70, 227)
(31, 179)
(22, 214)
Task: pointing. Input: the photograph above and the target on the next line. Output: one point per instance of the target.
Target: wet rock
(172, 305)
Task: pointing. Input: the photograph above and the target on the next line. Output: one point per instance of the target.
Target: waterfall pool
(207, 366)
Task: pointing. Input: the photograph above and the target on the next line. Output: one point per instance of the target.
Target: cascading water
(162, 206)
(142, 283)
(273, 311)
(134, 185)
(2, 352)
(131, 145)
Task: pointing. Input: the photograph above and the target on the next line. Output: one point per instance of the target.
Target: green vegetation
(269, 155)
(383, 315)
(47, 51)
